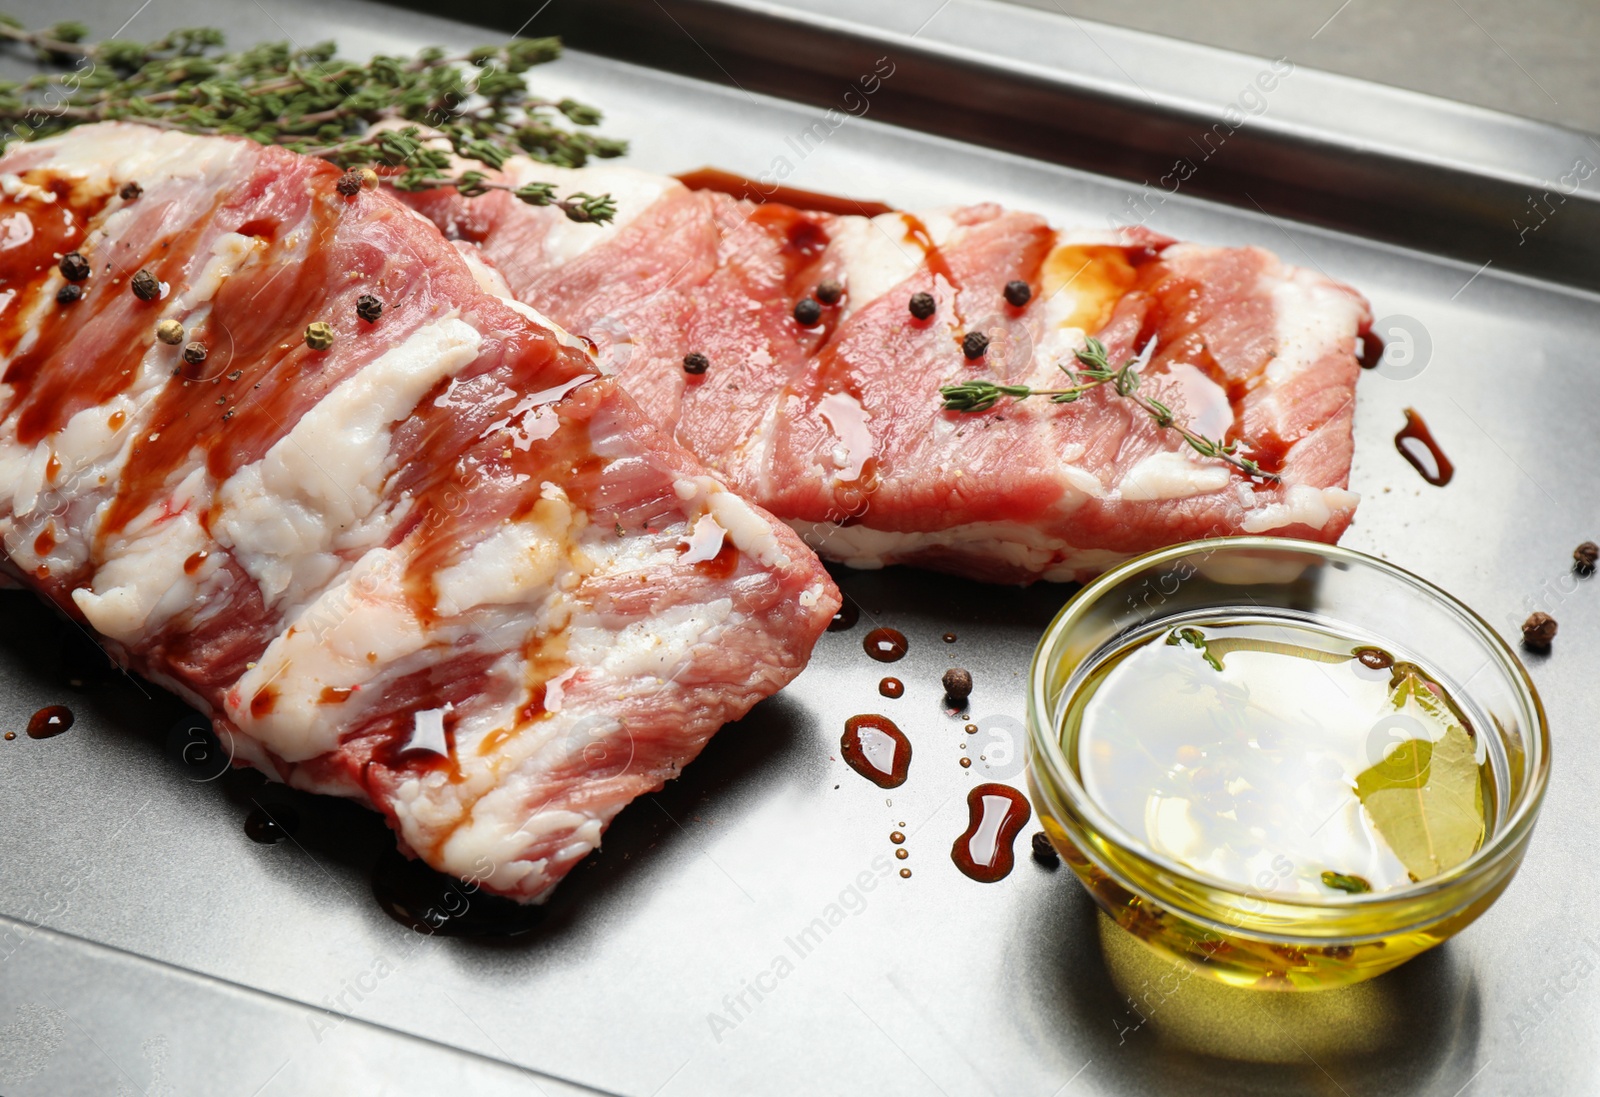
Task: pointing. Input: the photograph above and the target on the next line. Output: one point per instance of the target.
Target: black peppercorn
(145, 286)
(194, 353)
(1537, 631)
(1018, 293)
(829, 292)
(349, 183)
(1043, 851)
(807, 312)
(131, 192)
(369, 308)
(696, 363)
(74, 267)
(957, 684)
(923, 305)
(68, 293)
(1584, 557)
(974, 344)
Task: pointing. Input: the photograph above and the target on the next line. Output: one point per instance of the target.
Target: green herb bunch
(1096, 372)
(313, 102)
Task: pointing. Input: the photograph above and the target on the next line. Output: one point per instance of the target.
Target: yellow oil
(1260, 755)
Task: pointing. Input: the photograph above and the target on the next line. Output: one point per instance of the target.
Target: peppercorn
(319, 336)
(349, 183)
(131, 192)
(74, 267)
(170, 332)
(369, 308)
(1043, 851)
(145, 286)
(369, 178)
(957, 684)
(696, 363)
(1537, 631)
(194, 353)
(1584, 557)
(807, 312)
(68, 294)
(1018, 293)
(974, 344)
(829, 292)
(923, 305)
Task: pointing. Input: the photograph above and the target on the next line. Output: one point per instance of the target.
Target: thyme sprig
(1197, 640)
(1097, 371)
(475, 104)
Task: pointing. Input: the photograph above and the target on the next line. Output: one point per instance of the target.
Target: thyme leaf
(1197, 640)
(1340, 881)
(477, 104)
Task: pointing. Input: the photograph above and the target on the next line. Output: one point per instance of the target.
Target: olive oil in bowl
(1294, 768)
(1271, 754)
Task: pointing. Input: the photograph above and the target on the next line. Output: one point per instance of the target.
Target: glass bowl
(1246, 936)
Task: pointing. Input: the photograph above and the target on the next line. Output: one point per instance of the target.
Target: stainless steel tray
(173, 955)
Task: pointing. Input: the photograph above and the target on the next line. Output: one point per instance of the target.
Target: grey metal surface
(91, 1019)
(1167, 116)
(932, 984)
(1533, 57)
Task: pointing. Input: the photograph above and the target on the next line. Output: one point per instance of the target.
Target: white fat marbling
(1171, 475)
(1302, 505)
(704, 541)
(13, 186)
(750, 531)
(319, 490)
(1013, 544)
(103, 157)
(647, 649)
(229, 253)
(142, 582)
(878, 253)
(516, 563)
(1312, 317)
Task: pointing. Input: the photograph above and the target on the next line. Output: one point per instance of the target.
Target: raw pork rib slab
(444, 566)
(837, 428)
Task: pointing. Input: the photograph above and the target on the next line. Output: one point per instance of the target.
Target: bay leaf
(1425, 799)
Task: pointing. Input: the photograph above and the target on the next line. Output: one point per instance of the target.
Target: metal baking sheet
(148, 946)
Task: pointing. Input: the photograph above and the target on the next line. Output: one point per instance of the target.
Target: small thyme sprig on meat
(313, 102)
(982, 395)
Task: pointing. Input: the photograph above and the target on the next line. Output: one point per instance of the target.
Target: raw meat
(442, 566)
(837, 428)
